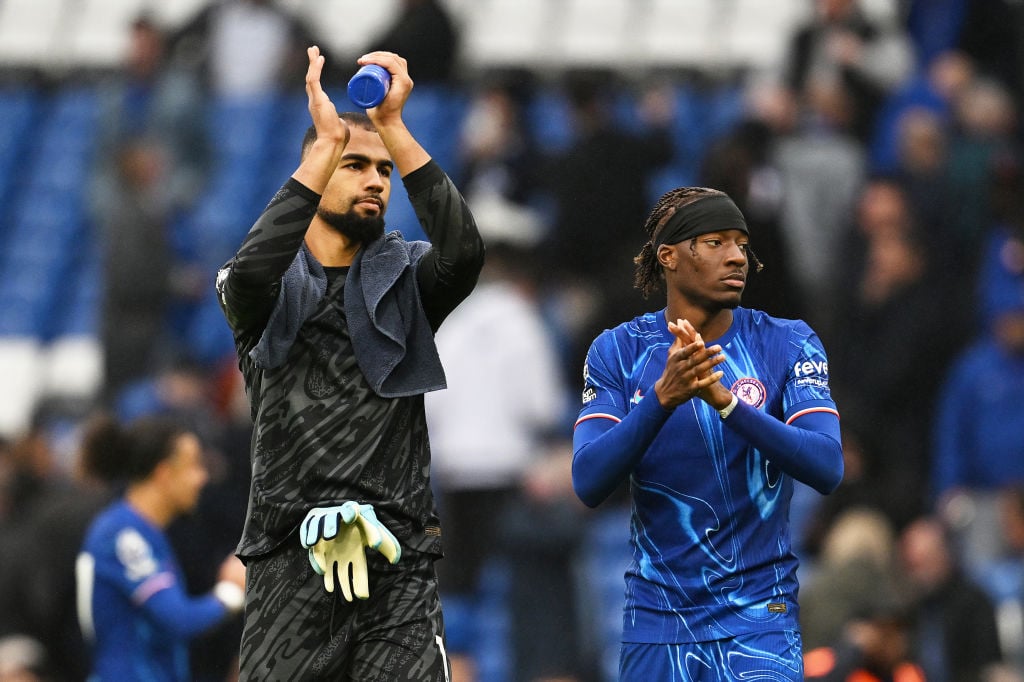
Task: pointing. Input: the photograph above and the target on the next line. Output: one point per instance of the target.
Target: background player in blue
(132, 602)
(710, 435)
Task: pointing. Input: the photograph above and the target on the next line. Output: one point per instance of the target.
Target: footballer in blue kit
(710, 436)
(137, 603)
(133, 606)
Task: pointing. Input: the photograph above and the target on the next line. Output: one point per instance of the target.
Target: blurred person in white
(212, 40)
(821, 167)
(505, 397)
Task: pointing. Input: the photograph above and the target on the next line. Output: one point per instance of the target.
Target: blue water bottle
(369, 86)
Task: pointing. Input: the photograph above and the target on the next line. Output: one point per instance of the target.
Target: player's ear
(667, 256)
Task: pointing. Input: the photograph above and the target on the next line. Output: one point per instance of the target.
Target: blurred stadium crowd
(874, 147)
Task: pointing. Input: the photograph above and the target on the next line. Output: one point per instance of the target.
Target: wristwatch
(727, 410)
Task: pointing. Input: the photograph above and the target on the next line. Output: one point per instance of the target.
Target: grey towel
(391, 337)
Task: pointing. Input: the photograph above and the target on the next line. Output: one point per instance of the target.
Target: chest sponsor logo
(750, 390)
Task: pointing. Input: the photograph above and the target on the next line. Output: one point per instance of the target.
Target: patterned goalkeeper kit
(322, 436)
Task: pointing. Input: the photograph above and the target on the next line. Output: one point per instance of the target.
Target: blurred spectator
(897, 327)
(25, 465)
(982, 143)
(37, 587)
(742, 163)
(201, 539)
(22, 660)
(841, 48)
(504, 399)
(152, 104)
(921, 171)
(153, 160)
(499, 175)
(821, 168)
(211, 41)
(1003, 577)
(599, 185)
(993, 35)
(137, 270)
(978, 434)
(874, 647)
(931, 90)
(955, 636)
(866, 485)
(541, 533)
(423, 33)
(856, 566)
(934, 27)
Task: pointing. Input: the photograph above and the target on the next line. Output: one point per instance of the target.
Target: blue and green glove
(337, 538)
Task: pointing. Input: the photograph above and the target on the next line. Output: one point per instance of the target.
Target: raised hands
(322, 157)
(401, 86)
(690, 370)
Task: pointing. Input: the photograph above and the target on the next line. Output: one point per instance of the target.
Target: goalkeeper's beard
(354, 227)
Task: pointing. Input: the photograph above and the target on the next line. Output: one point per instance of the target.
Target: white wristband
(230, 595)
(727, 410)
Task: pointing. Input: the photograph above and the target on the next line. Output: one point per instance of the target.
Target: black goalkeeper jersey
(321, 434)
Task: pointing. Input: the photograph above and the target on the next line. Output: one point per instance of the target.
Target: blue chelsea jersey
(126, 562)
(709, 526)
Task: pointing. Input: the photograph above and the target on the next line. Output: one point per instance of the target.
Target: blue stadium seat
(217, 226)
(18, 112)
(77, 312)
(209, 338)
(241, 126)
(550, 119)
(434, 114)
(27, 290)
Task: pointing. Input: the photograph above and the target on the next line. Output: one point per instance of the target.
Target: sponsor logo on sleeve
(135, 555)
(811, 373)
(589, 394)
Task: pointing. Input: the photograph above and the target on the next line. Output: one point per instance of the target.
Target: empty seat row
(627, 34)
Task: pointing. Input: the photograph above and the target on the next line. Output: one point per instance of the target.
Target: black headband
(715, 213)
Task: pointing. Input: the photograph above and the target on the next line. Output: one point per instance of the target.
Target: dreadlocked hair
(649, 276)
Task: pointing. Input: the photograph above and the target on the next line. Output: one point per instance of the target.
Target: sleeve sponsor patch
(135, 555)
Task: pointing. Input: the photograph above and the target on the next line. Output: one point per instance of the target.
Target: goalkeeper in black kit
(333, 323)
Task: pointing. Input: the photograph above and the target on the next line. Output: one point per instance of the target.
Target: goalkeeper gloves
(337, 538)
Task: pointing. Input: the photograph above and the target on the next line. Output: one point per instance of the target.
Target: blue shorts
(775, 656)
